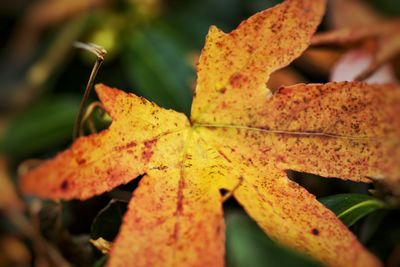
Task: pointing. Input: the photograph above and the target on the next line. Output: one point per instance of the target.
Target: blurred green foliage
(247, 245)
(156, 64)
(46, 124)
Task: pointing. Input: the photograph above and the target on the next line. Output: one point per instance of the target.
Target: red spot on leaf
(64, 185)
(150, 143)
(126, 146)
(238, 80)
(131, 144)
(148, 149)
(315, 231)
(81, 161)
(281, 158)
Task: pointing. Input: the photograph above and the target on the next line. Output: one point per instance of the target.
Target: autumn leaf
(241, 138)
(355, 62)
(385, 36)
(342, 16)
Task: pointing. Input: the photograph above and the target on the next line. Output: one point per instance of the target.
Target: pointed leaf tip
(108, 97)
(236, 66)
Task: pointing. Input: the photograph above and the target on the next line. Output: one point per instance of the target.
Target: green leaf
(107, 222)
(101, 262)
(371, 225)
(390, 7)
(46, 124)
(350, 208)
(158, 68)
(247, 245)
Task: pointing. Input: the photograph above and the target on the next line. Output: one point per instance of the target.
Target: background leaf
(352, 207)
(247, 245)
(107, 222)
(157, 67)
(47, 124)
(101, 262)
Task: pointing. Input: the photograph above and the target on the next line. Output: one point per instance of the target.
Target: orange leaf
(240, 138)
(236, 65)
(102, 161)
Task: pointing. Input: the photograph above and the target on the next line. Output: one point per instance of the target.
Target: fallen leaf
(385, 35)
(240, 138)
(355, 62)
(341, 14)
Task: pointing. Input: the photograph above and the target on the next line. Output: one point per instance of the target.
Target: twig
(100, 53)
(87, 117)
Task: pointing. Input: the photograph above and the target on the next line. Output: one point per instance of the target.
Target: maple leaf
(240, 138)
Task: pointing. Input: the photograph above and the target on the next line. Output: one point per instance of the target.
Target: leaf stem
(100, 53)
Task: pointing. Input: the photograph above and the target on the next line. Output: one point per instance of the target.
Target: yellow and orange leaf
(241, 138)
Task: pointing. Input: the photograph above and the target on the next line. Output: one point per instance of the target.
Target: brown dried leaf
(385, 35)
